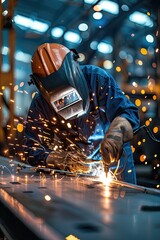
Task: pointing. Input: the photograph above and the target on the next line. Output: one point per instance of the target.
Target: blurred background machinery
(120, 36)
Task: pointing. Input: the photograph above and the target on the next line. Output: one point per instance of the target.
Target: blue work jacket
(44, 128)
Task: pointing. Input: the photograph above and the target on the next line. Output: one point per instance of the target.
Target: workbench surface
(37, 205)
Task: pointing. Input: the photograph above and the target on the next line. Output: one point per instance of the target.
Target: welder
(79, 110)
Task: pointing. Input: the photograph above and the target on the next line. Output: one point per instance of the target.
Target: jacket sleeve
(114, 102)
(109, 97)
(38, 133)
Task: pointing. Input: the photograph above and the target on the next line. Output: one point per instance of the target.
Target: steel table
(36, 205)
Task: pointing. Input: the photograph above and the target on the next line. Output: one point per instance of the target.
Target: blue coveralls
(107, 101)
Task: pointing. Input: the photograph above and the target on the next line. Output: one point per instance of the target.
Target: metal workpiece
(40, 205)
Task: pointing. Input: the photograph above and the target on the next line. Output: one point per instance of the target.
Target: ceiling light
(150, 38)
(57, 32)
(34, 25)
(5, 12)
(143, 51)
(107, 64)
(122, 54)
(94, 45)
(125, 8)
(23, 21)
(97, 8)
(72, 37)
(97, 15)
(5, 67)
(109, 6)
(39, 26)
(23, 57)
(141, 18)
(5, 50)
(83, 27)
(90, 1)
(105, 47)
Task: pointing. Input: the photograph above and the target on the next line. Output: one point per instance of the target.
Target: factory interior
(123, 38)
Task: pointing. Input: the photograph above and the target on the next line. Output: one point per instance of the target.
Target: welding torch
(119, 132)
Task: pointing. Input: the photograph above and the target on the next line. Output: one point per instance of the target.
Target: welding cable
(112, 175)
(117, 167)
(149, 132)
(119, 171)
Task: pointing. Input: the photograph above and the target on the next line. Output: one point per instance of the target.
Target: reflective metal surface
(60, 206)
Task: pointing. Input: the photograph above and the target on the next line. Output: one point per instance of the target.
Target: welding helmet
(58, 77)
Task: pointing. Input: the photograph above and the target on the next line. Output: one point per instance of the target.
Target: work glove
(70, 160)
(119, 132)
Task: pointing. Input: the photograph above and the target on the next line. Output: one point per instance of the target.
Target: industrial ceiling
(107, 34)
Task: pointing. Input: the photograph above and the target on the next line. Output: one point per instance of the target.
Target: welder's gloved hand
(71, 161)
(111, 150)
(119, 132)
